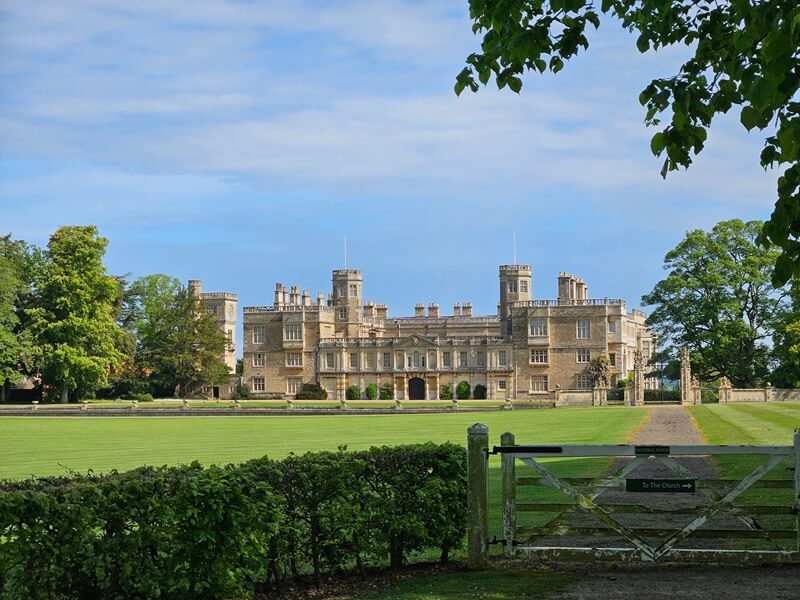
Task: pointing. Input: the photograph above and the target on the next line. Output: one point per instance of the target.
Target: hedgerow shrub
(225, 532)
(462, 390)
(387, 392)
(371, 391)
(479, 393)
(446, 392)
(353, 392)
(312, 391)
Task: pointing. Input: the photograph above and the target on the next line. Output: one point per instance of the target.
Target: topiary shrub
(353, 392)
(387, 391)
(312, 391)
(371, 391)
(446, 392)
(462, 390)
(139, 397)
(479, 393)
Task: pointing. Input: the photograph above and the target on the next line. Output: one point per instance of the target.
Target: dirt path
(687, 583)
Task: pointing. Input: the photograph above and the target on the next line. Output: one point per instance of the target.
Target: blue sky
(239, 142)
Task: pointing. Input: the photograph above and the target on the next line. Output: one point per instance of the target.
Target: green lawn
(753, 424)
(47, 446)
(512, 583)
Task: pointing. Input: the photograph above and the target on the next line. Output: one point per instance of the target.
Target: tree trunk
(3, 392)
(64, 395)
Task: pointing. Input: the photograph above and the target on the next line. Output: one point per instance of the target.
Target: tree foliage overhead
(717, 300)
(745, 54)
(72, 320)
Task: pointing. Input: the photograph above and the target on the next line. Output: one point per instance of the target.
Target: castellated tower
(347, 293)
(515, 286)
(221, 305)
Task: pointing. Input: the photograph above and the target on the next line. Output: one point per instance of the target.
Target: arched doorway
(416, 389)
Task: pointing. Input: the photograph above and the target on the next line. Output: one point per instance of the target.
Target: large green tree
(744, 54)
(19, 262)
(11, 342)
(718, 301)
(72, 321)
(180, 346)
(786, 343)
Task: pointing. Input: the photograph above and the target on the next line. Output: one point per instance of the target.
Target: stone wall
(779, 395)
(574, 398)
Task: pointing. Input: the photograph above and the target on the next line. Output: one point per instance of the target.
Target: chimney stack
(466, 309)
(381, 311)
(306, 298)
(457, 309)
(320, 299)
(419, 310)
(278, 294)
(433, 311)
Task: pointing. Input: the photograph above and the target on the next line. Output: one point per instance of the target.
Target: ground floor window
(584, 381)
(330, 385)
(539, 383)
(501, 384)
(293, 385)
(259, 384)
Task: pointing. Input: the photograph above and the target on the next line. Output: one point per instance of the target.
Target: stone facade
(529, 349)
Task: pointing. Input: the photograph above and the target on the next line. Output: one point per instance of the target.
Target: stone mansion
(529, 349)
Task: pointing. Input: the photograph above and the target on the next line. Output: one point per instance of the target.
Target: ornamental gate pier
(654, 503)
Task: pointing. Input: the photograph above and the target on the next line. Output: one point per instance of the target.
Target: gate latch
(503, 542)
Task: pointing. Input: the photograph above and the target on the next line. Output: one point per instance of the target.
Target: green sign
(660, 486)
(649, 450)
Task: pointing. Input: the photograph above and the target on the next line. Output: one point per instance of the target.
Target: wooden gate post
(797, 483)
(478, 495)
(507, 463)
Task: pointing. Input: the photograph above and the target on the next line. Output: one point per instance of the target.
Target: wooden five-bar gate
(649, 518)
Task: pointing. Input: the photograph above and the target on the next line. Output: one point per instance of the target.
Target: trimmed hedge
(353, 392)
(387, 391)
(463, 390)
(446, 392)
(312, 391)
(371, 391)
(222, 532)
(479, 393)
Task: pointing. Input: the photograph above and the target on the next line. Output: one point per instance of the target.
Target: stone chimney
(306, 298)
(278, 294)
(466, 309)
(195, 288)
(381, 311)
(419, 310)
(294, 296)
(320, 299)
(581, 291)
(433, 311)
(369, 310)
(566, 287)
(285, 294)
(457, 309)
